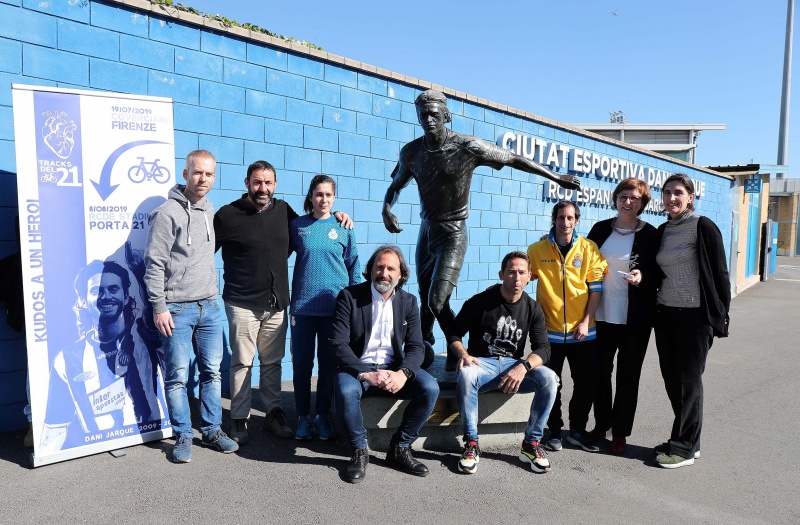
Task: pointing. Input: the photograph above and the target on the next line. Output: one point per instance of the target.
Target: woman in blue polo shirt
(327, 262)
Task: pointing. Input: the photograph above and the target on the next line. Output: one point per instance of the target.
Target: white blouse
(614, 299)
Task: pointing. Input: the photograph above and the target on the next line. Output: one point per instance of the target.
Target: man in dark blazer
(376, 344)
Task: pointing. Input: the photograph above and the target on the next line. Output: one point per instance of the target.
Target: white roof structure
(675, 140)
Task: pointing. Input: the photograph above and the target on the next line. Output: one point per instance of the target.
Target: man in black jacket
(376, 342)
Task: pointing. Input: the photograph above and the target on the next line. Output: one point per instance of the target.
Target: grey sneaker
(663, 448)
(275, 424)
(182, 451)
(239, 431)
(553, 442)
(220, 441)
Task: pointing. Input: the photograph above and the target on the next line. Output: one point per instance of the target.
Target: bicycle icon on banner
(48, 177)
(141, 173)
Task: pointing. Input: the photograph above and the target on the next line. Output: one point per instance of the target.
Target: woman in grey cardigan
(692, 308)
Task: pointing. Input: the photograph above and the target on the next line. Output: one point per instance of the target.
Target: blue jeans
(475, 379)
(305, 330)
(198, 330)
(423, 391)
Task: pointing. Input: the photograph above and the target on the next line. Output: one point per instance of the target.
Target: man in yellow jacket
(569, 270)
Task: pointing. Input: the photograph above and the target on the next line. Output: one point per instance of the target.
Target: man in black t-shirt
(500, 320)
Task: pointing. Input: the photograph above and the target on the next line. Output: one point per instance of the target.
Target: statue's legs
(439, 257)
(439, 304)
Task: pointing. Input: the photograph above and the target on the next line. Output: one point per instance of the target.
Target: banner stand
(91, 166)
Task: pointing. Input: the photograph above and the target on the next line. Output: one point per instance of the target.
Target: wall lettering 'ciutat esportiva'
(561, 157)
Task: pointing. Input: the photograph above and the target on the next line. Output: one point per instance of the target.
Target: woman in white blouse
(626, 312)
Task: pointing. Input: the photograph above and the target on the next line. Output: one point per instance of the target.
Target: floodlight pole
(783, 131)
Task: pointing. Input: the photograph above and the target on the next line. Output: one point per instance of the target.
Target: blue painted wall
(246, 101)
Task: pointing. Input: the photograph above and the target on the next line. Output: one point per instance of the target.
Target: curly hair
(388, 248)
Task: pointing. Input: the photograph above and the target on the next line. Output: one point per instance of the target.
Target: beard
(262, 199)
(109, 316)
(384, 286)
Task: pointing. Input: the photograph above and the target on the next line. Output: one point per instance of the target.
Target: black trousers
(629, 344)
(583, 363)
(683, 339)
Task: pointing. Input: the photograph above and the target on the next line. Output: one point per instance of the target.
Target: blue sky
(699, 61)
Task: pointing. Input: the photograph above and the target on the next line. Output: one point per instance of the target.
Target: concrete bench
(502, 418)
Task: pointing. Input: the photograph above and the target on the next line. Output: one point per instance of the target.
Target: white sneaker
(468, 464)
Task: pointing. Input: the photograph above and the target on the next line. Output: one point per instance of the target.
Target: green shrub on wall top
(229, 22)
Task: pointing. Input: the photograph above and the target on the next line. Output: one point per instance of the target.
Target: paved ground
(748, 472)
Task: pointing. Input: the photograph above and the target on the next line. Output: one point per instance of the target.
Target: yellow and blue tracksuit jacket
(564, 284)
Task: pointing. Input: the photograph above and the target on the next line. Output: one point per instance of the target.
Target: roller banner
(91, 166)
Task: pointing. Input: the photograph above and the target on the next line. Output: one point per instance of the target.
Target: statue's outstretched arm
(569, 182)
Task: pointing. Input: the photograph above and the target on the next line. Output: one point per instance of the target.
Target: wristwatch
(527, 365)
(407, 372)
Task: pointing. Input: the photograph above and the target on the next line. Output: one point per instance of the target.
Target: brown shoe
(597, 434)
(618, 445)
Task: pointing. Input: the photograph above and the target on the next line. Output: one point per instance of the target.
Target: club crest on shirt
(577, 262)
(333, 234)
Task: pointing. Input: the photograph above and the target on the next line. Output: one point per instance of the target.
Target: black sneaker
(468, 463)
(533, 453)
(275, 424)
(582, 439)
(239, 432)
(553, 442)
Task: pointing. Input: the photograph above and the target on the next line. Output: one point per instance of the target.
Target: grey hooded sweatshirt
(179, 256)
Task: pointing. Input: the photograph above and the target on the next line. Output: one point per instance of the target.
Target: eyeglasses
(632, 200)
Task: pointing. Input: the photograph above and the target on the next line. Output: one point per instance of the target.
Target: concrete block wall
(245, 100)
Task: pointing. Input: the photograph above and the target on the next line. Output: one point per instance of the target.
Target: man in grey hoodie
(182, 287)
